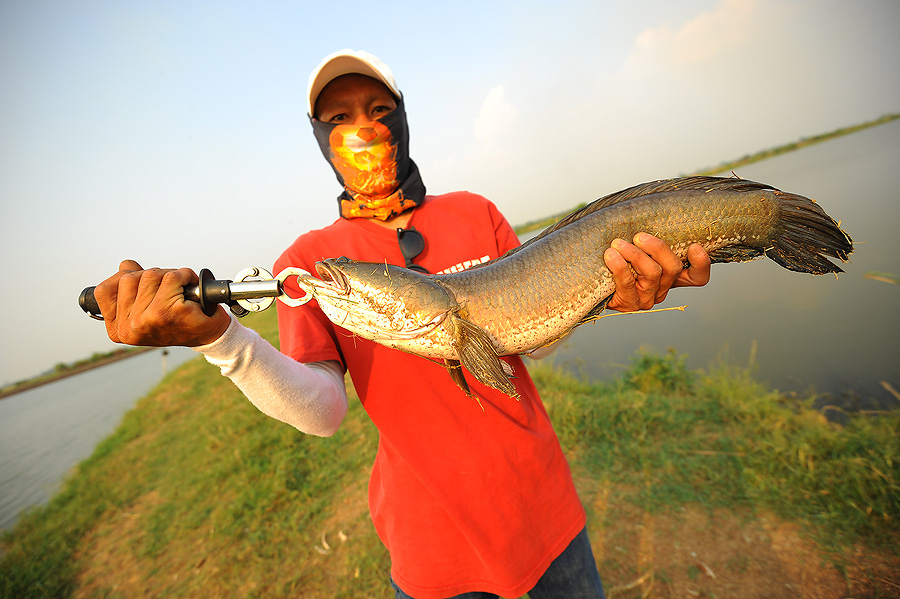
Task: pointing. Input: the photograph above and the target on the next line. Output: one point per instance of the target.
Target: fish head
(382, 302)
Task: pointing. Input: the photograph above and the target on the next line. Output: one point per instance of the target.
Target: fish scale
(580, 280)
(542, 290)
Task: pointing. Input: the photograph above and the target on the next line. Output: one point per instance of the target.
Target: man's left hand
(656, 269)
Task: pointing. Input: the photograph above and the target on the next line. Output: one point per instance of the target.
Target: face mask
(365, 157)
(372, 163)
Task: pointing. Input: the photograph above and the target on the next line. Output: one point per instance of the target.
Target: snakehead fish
(540, 291)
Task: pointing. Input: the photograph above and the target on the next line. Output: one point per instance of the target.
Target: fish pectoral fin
(476, 352)
(454, 369)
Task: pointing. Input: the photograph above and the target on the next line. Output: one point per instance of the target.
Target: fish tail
(806, 236)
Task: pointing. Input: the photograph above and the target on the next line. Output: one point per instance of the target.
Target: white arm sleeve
(310, 397)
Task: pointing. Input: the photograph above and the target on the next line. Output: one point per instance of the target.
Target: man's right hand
(147, 307)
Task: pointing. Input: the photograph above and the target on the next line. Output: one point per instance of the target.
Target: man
(470, 503)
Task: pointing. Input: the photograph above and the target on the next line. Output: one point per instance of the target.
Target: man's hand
(656, 270)
(147, 307)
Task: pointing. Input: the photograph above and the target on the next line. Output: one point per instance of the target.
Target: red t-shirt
(464, 499)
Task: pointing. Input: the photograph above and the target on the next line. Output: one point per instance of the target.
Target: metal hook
(305, 286)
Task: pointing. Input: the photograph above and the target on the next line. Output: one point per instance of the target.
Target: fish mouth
(330, 273)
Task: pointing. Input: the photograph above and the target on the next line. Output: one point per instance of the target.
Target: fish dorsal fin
(476, 352)
(665, 185)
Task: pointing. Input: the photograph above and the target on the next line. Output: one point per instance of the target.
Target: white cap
(345, 62)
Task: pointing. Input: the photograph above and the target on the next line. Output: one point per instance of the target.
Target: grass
(198, 494)
(665, 436)
(796, 145)
(196, 466)
(62, 370)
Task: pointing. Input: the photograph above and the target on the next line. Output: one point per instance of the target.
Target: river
(837, 336)
(47, 430)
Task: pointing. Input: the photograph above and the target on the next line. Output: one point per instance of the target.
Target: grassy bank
(62, 370)
(693, 482)
(795, 145)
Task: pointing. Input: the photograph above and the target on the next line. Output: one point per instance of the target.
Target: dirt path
(695, 553)
(720, 554)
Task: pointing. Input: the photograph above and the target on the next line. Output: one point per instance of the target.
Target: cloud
(496, 116)
(698, 41)
(714, 86)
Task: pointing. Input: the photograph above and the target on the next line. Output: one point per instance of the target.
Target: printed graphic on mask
(371, 161)
(366, 158)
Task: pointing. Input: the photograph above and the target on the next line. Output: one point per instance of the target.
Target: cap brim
(345, 63)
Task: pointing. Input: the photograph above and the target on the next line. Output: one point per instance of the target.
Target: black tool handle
(209, 293)
(88, 302)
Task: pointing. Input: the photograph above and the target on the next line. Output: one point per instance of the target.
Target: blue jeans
(573, 575)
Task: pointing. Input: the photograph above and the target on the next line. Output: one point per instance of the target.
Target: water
(46, 431)
(840, 336)
(836, 336)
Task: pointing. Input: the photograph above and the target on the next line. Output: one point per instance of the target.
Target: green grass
(796, 145)
(62, 369)
(200, 465)
(198, 494)
(664, 436)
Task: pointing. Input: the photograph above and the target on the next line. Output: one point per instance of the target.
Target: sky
(175, 133)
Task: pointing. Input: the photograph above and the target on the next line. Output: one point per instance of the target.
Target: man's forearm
(310, 397)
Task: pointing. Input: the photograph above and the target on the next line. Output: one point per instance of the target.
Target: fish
(540, 291)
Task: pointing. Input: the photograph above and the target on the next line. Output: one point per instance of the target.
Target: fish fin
(596, 311)
(734, 253)
(477, 353)
(807, 236)
(456, 373)
(454, 369)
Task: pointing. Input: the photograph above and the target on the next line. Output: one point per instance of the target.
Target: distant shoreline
(44, 379)
(733, 164)
(519, 230)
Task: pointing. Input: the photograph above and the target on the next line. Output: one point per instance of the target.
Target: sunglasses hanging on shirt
(411, 245)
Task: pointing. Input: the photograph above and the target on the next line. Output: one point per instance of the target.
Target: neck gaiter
(371, 161)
